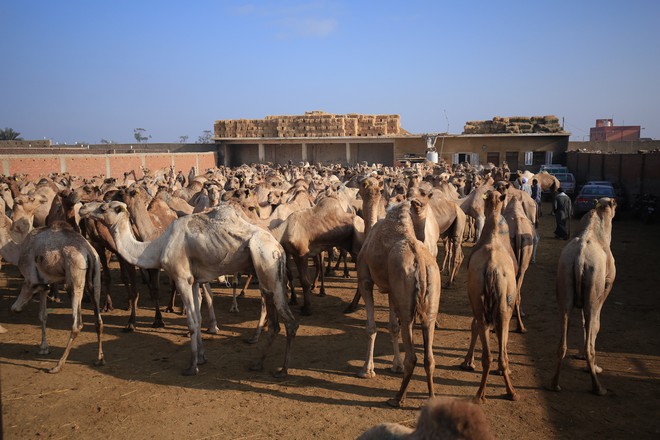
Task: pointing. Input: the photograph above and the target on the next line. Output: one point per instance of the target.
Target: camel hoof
(99, 362)
(252, 340)
(280, 373)
(322, 292)
(107, 308)
(587, 370)
(396, 369)
(553, 388)
(350, 308)
(394, 403)
(169, 310)
(213, 330)
(257, 366)
(306, 311)
(512, 397)
(479, 400)
(129, 328)
(234, 310)
(158, 324)
(370, 374)
(293, 302)
(600, 391)
(522, 330)
(467, 367)
(241, 295)
(55, 370)
(201, 360)
(44, 351)
(190, 371)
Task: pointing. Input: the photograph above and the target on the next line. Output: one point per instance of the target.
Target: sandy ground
(141, 393)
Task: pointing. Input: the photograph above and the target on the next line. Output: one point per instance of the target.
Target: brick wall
(109, 165)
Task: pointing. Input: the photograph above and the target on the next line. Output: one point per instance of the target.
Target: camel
(451, 222)
(492, 292)
(151, 222)
(58, 254)
(306, 233)
(441, 418)
(394, 260)
(199, 248)
(473, 206)
(585, 275)
(521, 234)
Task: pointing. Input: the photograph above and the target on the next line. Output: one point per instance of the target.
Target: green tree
(106, 141)
(205, 138)
(183, 139)
(8, 134)
(140, 135)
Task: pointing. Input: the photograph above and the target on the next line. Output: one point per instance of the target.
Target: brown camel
(199, 248)
(306, 233)
(585, 275)
(441, 418)
(394, 260)
(492, 292)
(521, 234)
(58, 254)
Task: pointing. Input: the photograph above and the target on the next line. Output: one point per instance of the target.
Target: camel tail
(491, 297)
(519, 247)
(93, 277)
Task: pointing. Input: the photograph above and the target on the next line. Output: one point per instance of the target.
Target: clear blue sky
(88, 70)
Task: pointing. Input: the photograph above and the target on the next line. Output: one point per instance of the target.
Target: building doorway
(493, 158)
(512, 160)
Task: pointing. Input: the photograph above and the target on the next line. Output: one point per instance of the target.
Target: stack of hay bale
(514, 124)
(311, 124)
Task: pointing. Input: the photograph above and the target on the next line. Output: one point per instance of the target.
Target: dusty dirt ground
(140, 392)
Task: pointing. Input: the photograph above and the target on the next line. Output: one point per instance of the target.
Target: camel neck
(370, 208)
(9, 250)
(142, 219)
(144, 254)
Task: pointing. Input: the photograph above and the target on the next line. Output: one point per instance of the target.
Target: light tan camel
(521, 234)
(58, 254)
(441, 418)
(395, 261)
(451, 222)
(492, 292)
(585, 275)
(473, 206)
(199, 248)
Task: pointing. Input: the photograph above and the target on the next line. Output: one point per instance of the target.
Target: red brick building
(605, 130)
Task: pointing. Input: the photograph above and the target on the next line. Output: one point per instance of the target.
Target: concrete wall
(615, 147)
(638, 173)
(109, 165)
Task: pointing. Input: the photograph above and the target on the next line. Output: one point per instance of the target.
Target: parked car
(621, 197)
(585, 200)
(554, 169)
(567, 182)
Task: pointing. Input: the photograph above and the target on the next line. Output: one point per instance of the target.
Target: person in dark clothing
(563, 211)
(536, 194)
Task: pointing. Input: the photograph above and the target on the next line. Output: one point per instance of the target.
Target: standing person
(563, 211)
(536, 195)
(525, 186)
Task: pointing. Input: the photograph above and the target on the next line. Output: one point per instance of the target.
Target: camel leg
(561, 351)
(395, 330)
(408, 365)
(208, 299)
(331, 256)
(345, 258)
(593, 326)
(197, 304)
(262, 322)
(76, 283)
(503, 338)
(153, 276)
(171, 303)
(248, 280)
(354, 303)
(366, 290)
(318, 268)
(127, 272)
(455, 263)
(468, 363)
(105, 276)
(43, 317)
(301, 264)
(186, 292)
(428, 331)
(486, 360)
(234, 286)
(289, 276)
(536, 245)
(321, 275)
(98, 323)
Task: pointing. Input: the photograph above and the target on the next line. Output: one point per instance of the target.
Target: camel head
(370, 188)
(605, 207)
(493, 201)
(107, 213)
(502, 186)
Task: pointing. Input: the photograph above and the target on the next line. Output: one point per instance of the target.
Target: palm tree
(8, 134)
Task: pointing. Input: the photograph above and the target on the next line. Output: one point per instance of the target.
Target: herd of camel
(269, 221)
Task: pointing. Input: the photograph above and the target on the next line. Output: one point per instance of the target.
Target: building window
(548, 157)
(529, 158)
(471, 158)
(493, 158)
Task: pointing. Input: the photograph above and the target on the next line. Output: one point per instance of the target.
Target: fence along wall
(638, 173)
(109, 165)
